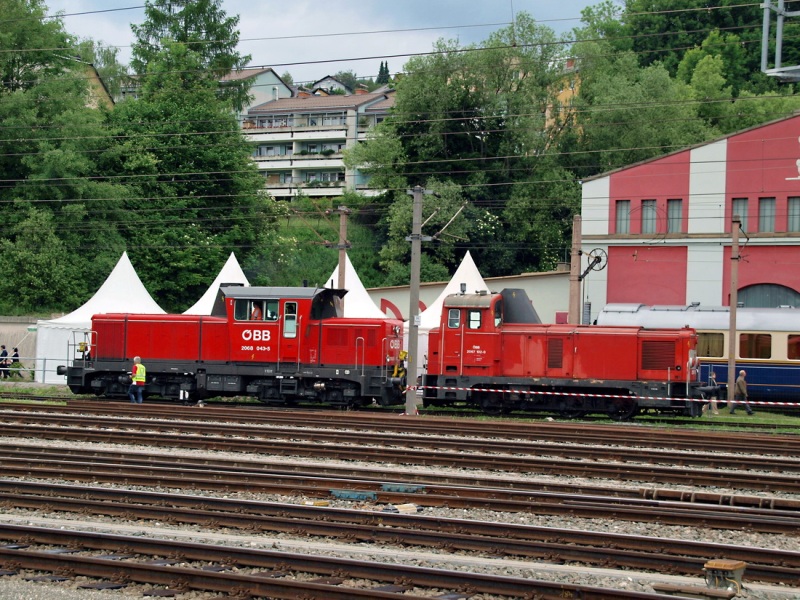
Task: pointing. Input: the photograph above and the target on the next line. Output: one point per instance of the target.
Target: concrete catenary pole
(413, 307)
(736, 223)
(574, 315)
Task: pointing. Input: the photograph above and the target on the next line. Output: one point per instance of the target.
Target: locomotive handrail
(384, 362)
(363, 354)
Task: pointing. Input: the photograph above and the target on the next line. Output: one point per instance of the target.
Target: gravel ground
(17, 589)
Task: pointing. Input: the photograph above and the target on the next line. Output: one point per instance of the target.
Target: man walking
(138, 377)
(740, 393)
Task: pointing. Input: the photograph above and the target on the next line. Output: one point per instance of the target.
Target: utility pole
(343, 245)
(416, 238)
(736, 223)
(574, 315)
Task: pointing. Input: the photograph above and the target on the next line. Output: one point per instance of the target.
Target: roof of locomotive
(236, 291)
(479, 300)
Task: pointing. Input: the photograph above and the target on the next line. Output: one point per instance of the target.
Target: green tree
(477, 121)
(662, 31)
(383, 74)
(206, 30)
(50, 148)
(195, 193)
(627, 113)
(105, 59)
(33, 48)
(34, 274)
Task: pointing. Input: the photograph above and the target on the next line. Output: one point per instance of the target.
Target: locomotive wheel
(572, 408)
(622, 409)
(492, 404)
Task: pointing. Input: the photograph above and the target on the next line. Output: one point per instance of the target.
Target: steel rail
(278, 562)
(248, 442)
(573, 451)
(503, 539)
(381, 475)
(723, 517)
(656, 436)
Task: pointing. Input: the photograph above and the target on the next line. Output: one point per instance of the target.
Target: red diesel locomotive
(488, 352)
(280, 345)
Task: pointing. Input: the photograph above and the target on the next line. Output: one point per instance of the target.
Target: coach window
(290, 320)
(498, 314)
(755, 345)
(474, 319)
(710, 345)
(793, 347)
(454, 318)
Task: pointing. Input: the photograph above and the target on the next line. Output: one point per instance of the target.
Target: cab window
(290, 320)
(474, 319)
(498, 314)
(272, 310)
(454, 318)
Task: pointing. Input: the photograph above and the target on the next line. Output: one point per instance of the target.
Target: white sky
(264, 22)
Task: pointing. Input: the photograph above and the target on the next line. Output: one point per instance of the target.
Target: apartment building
(298, 142)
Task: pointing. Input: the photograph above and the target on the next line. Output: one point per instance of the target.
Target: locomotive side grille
(336, 337)
(555, 353)
(657, 355)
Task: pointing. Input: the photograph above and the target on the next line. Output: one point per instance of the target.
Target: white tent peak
(468, 274)
(122, 291)
(357, 302)
(231, 272)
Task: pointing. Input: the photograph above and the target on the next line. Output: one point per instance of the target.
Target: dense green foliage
(492, 129)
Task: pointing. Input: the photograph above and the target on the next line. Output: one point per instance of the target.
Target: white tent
(357, 302)
(231, 272)
(122, 291)
(468, 274)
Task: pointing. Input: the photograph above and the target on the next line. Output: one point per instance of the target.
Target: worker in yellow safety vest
(138, 378)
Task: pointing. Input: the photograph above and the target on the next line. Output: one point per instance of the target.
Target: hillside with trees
(502, 131)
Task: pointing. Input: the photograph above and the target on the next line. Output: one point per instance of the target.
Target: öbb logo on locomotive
(490, 350)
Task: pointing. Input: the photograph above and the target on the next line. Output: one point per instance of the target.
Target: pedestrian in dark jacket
(740, 393)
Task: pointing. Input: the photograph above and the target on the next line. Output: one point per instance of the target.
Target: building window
(623, 216)
(648, 216)
(675, 215)
(766, 215)
(739, 207)
(333, 119)
(794, 214)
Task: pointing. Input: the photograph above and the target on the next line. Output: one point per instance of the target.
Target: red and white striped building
(665, 224)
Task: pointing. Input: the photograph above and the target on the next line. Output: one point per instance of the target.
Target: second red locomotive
(487, 354)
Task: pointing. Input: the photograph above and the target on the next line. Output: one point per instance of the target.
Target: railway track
(659, 555)
(780, 516)
(184, 566)
(381, 412)
(767, 465)
(702, 470)
(585, 433)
